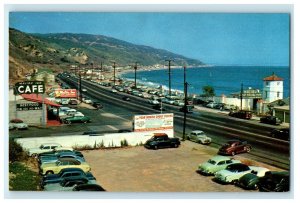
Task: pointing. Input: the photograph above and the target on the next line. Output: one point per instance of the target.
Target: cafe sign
(29, 106)
(30, 87)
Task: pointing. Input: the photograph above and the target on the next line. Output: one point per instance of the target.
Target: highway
(219, 127)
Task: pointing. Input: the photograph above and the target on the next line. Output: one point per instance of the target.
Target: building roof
(38, 98)
(273, 78)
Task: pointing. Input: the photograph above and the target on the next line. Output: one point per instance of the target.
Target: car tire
(84, 121)
(175, 145)
(234, 182)
(155, 147)
(49, 172)
(34, 155)
(233, 153)
(247, 149)
(67, 122)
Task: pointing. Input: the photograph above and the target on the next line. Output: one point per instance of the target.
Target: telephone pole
(114, 66)
(184, 110)
(169, 65)
(242, 91)
(135, 68)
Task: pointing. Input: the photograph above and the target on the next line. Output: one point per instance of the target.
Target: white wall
(270, 90)
(133, 139)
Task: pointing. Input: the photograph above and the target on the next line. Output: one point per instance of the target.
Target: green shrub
(124, 143)
(16, 152)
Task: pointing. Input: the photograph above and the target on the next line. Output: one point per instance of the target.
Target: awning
(38, 98)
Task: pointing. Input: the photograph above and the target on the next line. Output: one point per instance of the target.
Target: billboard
(153, 122)
(65, 93)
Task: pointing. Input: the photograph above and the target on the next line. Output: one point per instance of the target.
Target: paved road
(219, 126)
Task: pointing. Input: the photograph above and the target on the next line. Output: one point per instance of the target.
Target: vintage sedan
(275, 181)
(68, 183)
(54, 158)
(88, 187)
(46, 147)
(17, 124)
(56, 167)
(270, 120)
(76, 119)
(249, 181)
(199, 136)
(215, 164)
(233, 147)
(65, 173)
(232, 173)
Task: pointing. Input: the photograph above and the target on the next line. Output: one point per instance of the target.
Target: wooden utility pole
(114, 66)
(242, 91)
(169, 65)
(135, 68)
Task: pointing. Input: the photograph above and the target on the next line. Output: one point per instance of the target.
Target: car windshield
(212, 162)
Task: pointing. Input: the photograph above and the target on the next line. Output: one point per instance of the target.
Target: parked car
(84, 90)
(232, 173)
(211, 105)
(283, 133)
(71, 114)
(76, 119)
(249, 181)
(17, 124)
(241, 114)
(215, 164)
(55, 168)
(161, 140)
(179, 103)
(275, 181)
(233, 147)
(199, 136)
(67, 184)
(87, 100)
(66, 172)
(88, 187)
(54, 158)
(97, 105)
(46, 147)
(270, 120)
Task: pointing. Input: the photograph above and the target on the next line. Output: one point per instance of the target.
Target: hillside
(59, 51)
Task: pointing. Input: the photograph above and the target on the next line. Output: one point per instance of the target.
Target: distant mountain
(59, 51)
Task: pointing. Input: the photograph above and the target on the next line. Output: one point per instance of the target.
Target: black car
(125, 98)
(97, 105)
(159, 107)
(88, 187)
(161, 140)
(241, 114)
(275, 181)
(283, 133)
(73, 102)
(187, 109)
(270, 120)
(248, 181)
(65, 173)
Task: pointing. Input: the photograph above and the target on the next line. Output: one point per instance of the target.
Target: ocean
(224, 79)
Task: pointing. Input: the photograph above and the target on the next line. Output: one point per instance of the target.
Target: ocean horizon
(224, 79)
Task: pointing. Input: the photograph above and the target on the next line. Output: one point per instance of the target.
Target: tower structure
(272, 88)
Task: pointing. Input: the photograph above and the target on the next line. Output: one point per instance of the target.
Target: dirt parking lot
(137, 169)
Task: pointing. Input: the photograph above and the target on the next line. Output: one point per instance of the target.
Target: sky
(213, 38)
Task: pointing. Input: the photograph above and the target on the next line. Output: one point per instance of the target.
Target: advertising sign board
(29, 106)
(65, 93)
(153, 122)
(30, 87)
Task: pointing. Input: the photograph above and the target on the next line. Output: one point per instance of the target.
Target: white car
(153, 101)
(17, 124)
(215, 164)
(47, 147)
(199, 136)
(76, 113)
(233, 173)
(114, 90)
(178, 103)
(87, 100)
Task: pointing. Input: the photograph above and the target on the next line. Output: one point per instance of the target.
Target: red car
(241, 114)
(233, 147)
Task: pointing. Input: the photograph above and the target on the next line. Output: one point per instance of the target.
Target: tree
(208, 91)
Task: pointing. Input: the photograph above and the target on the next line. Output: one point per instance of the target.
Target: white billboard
(153, 122)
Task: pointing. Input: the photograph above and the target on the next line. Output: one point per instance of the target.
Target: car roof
(71, 169)
(159, 134)
(69, 159)
(197, 131)
(220, 158)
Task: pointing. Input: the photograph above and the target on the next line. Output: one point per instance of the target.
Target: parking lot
(137, 169)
